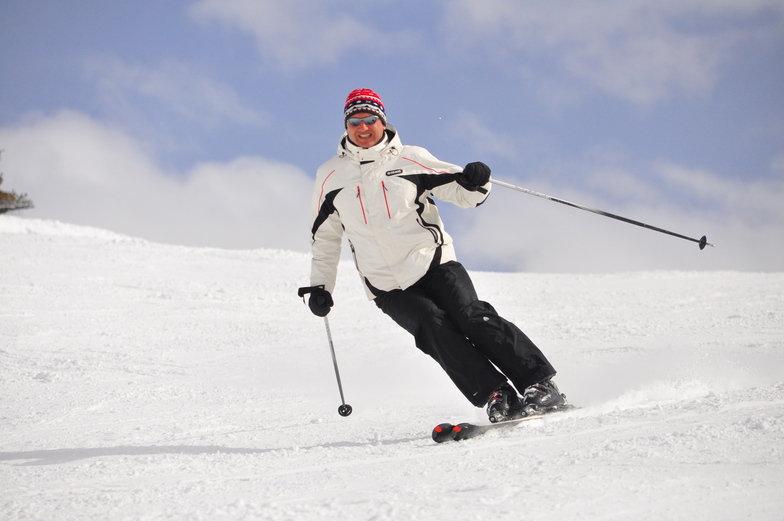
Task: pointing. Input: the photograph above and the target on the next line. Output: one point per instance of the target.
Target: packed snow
(158, 382)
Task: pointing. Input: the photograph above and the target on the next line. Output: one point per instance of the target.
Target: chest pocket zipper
(386, 201)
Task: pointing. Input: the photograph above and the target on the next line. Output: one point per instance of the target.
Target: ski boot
(504, 404)
(543, 397)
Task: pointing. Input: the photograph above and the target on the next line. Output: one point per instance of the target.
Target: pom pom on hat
(364, 100)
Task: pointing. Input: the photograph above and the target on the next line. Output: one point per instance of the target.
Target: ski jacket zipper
(386, 201)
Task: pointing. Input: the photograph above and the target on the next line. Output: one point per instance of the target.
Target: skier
(379, 193)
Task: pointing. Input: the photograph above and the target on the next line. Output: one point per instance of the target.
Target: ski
(464, 431)
(443, 432)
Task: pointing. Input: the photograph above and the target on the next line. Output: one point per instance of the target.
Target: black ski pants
(478, 349)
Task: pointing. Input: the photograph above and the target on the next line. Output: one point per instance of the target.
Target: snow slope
(147, 381)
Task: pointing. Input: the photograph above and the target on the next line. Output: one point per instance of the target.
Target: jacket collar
(390, 144)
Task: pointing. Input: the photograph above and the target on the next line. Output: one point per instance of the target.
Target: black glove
(320, 301)
(474, 175)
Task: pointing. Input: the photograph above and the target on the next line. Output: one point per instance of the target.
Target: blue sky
(202, 122)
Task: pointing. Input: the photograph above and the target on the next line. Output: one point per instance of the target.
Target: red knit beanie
(364, 100)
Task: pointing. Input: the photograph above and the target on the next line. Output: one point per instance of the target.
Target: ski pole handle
(301, 292)
(320, 300)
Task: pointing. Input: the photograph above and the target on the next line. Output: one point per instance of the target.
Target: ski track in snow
(148, 381)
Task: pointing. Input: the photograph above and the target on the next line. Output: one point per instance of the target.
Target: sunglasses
(369, 120)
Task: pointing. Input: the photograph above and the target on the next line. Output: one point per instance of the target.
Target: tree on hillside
(10, 201)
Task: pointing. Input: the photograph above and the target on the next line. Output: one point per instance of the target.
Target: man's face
(364, 135)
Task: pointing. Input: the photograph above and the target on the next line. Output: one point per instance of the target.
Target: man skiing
(380, 193)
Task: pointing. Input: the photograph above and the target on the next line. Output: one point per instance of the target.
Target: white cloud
(173, 85)
(296, 34)
(777, 163)
(474, 130)
(755, 200)
(81, 171)
(639, 50)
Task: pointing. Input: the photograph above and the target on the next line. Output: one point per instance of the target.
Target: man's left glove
(320, 301)
(474, 175)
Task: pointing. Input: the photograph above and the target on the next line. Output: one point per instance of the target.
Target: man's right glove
(320, 301)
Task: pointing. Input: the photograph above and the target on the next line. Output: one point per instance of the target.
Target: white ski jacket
(381, 198)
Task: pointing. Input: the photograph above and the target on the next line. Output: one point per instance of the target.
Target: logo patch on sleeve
(394, 172)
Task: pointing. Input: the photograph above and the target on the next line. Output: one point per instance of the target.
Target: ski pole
(344, 409)
(703, 241)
